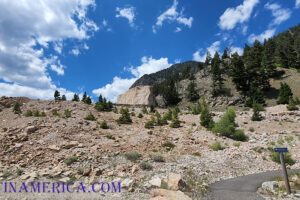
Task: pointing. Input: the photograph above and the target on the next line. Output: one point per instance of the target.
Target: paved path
(243, 187)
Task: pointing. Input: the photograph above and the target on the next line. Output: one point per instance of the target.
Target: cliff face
(140, 95)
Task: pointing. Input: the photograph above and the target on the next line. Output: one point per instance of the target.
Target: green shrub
(292, 104)
(110, 136)
(28, 113)
(206, 119)
(256, 116)
(251, 129)
(194, 124)
(103, 106)
(16, 108)
(144, 110)
(140, 115)
(71, 160)
(115, 110)
(6, 174)
(80, 170)
(152, 109)
(125, 117)
(175, 123)
(43, 114)
(19, 172)
(237, 144)
(104, 125)
(133, 156)
(36, 113)
(132, 114)
(168, 115)
(196, 109)
(226, 126)
(150, 124)
(217, 146)
(146, 166)
(157, 158)
(90, 117)
(287, 158)
(55, 113)
(285, 93)
(197, 154)
(68, 113)
(168, 144)
(160, 121)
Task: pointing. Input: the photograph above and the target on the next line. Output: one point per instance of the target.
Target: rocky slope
(37, 149)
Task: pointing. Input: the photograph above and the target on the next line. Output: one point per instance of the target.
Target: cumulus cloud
(23, 37)
(128, 13)
(119, 85)
(75, 52)
(280, 14)
(178, 29)
(238, 50)
(265, 35)
(172, 15)
(297, 4)
(239, 14)
(200, 55)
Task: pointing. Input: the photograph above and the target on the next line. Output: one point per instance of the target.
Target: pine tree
(170, 93)
(84, 97)
(125, 117)
(17, 109)
(292, 104)
(63, 97)
(268, 59)
(238, 73)
(208, 59)
(192, 94)
(88, 100)
(75, 97)
(100, 99)
(256, 108)
(175, 122)
(225, 54)
(217, 75)
(205, 117)
(255, 94)
(56, 95)
(285, 93)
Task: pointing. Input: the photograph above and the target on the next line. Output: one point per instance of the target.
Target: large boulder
(162, 194)
(140, 95)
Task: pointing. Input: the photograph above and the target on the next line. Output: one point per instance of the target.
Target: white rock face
(140, 95)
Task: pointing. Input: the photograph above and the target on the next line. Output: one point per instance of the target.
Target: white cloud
(24, 65)
(172, 15)
(212, 49)
(104, 23)
(244, 30)
(280, 14)
(265, 35)
(128, 13)
(297, 4)
(58, 68)
(75, 51)
(119, 85)
(238, 50)
(178, 29)
(240, 14)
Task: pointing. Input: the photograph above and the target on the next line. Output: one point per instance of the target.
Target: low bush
(90, 117)
(217, 146)
(67, 113)
(55, 113)
(71, 160)
(28, 113)
(125, 117)
(157, 158)
(287, 158)
(133, 156)
(168, 144)
(140, 115)
(17, 108)
(146, 166)
(104, 125)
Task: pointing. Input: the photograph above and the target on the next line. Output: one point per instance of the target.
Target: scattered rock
(156, 181)
(175, 182)
(54, 148)
(162, 194)
(30, 129)
(270, 186)
(126, 183)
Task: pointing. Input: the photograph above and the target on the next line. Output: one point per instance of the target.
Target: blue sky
(103, 46)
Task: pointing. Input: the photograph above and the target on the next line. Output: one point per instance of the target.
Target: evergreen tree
(88, 100)
(63, 97)
(125, 117)
(17, 109)
(100, 99)
(238, 73)
(268, 59)
(75, 97)
(170, 93)
(255, 94)
(217, 74)
(208, 59)
(84, 97)
(256, 108)
(285, 93)
(175, 122)
(225, 54)
(205, 117)
(56, 95)
(292, 104)
(192, 94)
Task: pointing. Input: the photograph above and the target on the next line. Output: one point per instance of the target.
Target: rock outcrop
(140, 95)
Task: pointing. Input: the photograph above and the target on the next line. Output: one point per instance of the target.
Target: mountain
(152, 79)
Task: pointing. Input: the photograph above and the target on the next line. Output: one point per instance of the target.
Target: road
(243, 187)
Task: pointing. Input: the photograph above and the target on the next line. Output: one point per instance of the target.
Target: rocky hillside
(151, 79)
(167, 162)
